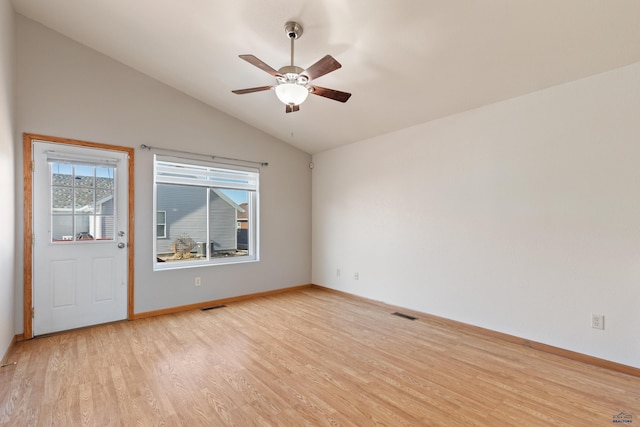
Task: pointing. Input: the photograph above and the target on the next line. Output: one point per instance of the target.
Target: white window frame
(199, 173)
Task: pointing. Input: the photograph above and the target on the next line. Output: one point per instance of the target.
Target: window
(198, 209)
(161, 224)
(82, 201)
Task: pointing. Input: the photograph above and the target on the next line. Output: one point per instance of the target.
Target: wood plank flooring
(301, 358)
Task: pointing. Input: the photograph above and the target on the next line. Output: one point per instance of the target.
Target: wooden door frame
(27, 141)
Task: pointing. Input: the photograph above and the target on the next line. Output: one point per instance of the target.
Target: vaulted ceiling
(405, 61)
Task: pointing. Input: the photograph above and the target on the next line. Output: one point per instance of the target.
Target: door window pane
(84, 176)
(82, 202)
(62, 200)
(62, 228)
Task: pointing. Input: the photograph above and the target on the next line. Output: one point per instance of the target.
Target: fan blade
(322, 67)
(250, 90)
(336, 95)
(258, 63)
(291, 108)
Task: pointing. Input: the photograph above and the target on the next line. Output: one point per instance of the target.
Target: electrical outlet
(198, 282)
(356, 276)
(338, 272)
(597, 321)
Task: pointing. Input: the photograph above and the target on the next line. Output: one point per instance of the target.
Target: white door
(80, 198)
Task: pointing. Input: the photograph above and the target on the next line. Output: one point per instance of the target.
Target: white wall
(521, 217)
(7, 198)
(65, 89)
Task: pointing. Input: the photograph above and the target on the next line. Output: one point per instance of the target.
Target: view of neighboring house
(82, 207)
(184, 210)
(243, 227)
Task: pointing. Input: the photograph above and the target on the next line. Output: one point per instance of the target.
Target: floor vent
(213, 307)
(406, 316)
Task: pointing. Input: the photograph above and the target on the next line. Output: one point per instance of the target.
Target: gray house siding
(185, 209)
(105, 220)
(186, 214)
(223, 223)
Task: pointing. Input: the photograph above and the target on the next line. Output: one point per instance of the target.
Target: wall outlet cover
(597, 321)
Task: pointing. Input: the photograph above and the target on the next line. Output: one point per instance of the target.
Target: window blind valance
(175, 171)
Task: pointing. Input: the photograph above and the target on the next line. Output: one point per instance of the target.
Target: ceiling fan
(293, 83)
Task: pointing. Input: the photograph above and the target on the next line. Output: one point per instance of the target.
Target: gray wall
(65, 89)
(7, 197)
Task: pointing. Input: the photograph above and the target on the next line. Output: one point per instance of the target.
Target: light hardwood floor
(308, 357)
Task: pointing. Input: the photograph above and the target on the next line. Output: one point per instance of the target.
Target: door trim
(27, 141)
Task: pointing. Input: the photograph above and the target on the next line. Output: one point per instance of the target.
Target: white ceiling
(405, 61)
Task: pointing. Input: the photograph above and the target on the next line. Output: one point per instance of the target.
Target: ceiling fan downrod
(294, 31)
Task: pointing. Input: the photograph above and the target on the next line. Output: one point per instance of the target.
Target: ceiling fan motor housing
(293, 30)
(291, 74)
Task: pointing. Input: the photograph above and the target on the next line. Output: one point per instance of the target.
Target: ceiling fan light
(291, 93)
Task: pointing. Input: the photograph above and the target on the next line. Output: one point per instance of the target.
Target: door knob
(121, 245)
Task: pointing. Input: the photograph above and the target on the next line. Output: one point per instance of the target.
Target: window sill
(180, 264)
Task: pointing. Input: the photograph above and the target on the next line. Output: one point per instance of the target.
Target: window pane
(84, 176)
(105, 202)
(103, 193)
(104, 227)
(62, 227)
(61, 200)
(161, 220)
(84, 200)
(104, 177)
(61, 174)
(84, 227)
(228, 227)
(186, 222)
(104, 190)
